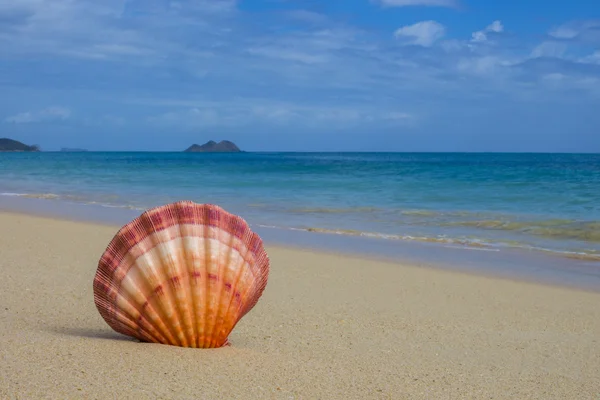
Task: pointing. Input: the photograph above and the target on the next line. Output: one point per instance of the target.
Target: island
(71, 150)
(224, 146)
(14, 145)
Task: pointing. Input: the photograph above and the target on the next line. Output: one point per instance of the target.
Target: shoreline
(509, 264)
(327, 326)
(485, 240)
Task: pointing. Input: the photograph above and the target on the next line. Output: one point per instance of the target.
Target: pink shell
(181, 274)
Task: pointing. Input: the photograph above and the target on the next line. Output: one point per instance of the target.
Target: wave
(588, 231)
(466, 243)
(553, 228)
(72, 198)
(47, 196)
(421, 213)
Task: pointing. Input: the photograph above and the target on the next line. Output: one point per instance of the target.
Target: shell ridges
(182, 274)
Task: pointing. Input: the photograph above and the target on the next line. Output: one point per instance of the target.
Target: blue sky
(302, 75)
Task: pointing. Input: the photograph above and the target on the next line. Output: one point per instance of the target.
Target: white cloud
(404, 3)
(483, 65)
(563, 32)
(549, 49)
(495, 26)
(423, 33)
(593, 58)
(571, 30)
(95, 30)
(257, 111)
(47, 114)
(481, 36)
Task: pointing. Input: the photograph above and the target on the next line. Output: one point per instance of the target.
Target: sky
(302, 75)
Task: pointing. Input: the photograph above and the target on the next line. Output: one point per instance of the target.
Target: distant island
(224, 146)
(14, 145)
(69, 149)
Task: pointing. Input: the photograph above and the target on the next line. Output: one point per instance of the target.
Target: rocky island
(14, 145)
(224, 146)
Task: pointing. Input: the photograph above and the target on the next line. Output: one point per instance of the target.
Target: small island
(224, 146)
(72, 150)
(14, 145)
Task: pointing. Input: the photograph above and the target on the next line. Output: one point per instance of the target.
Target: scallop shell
(182, 274)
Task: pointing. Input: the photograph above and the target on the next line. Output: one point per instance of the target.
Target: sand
(327, 327)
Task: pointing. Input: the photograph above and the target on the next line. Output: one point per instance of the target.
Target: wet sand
(328, 326)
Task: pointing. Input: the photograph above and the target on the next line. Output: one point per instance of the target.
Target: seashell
(181, 274)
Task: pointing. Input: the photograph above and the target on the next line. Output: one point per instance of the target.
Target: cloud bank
(48, 114)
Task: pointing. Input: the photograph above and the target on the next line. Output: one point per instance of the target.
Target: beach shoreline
(509, 264)
(328, 326)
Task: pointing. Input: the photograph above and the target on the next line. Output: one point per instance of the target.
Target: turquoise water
(548, 203)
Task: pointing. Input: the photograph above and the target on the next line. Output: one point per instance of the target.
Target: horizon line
(318, 151)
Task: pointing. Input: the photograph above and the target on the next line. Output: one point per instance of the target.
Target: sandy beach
(328, 326)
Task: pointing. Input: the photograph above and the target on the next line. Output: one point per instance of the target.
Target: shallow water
(548, 203)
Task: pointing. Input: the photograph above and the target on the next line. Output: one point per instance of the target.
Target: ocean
(544, 203)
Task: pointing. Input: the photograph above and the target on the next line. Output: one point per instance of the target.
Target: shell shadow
(111, 335)
(93, 334)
